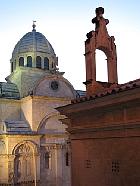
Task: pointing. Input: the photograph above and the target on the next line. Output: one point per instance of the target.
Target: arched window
(23, 162)
(38, 62)
(21, 61)
(47, 160)
(46, 63)
(29, 61)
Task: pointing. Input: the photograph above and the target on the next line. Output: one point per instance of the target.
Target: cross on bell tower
(100, 39)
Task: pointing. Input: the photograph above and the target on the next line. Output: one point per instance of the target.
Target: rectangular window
(67, 159)
(47, 160)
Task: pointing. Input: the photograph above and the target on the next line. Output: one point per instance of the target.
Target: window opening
(29, 61)
(67, 159)
(38, 62)
(47, 160)
(46, 63)
(21, 61)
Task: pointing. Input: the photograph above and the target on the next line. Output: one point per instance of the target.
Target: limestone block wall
(9, 109)
(29, 168)
(64, 89)
(57, 173)
(3, 168)
(26, 110)
(3, 161)
(34, 109)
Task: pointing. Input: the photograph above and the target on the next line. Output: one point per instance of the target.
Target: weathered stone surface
(99, 39)
(104, 126)
(33, 142)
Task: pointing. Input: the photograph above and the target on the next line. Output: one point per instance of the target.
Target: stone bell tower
(100, 39)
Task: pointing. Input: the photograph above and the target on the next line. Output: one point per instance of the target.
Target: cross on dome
(34, 26)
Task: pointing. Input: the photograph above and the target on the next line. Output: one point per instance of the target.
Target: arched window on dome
(29, 61)
(46, 63)
(38, 62)
(21, 61)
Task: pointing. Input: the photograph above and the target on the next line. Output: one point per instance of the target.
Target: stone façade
(34, 148)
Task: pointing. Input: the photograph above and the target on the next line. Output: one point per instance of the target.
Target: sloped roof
(9, 90)
(108, 91)
(17, 127)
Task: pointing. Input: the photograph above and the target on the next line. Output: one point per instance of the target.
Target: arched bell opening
(101, 66)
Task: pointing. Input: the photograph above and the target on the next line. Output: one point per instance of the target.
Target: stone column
(59, 165)
(37, 166)
(11, 174)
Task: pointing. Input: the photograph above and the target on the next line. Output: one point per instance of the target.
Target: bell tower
(100, 39)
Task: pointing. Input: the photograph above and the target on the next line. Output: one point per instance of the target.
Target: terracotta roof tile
(108, 91)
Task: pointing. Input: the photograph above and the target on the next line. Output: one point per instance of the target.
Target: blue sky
(65, 24)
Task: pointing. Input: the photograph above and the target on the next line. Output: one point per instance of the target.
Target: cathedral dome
(33, 50)
(33, 42)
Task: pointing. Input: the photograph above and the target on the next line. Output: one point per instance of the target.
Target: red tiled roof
(108, 91)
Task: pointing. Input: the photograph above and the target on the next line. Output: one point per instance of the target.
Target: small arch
(31, 144)
(24, 149)
(101, 66)
(38, 62)
(23, 161)
(46, 63)
(29, 61)
(21, 61)
(46, 118)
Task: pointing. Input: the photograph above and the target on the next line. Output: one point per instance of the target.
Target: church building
(34, 145)
(104, 125)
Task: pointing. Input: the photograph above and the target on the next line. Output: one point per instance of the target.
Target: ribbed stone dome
(34, 51)
(33, 42)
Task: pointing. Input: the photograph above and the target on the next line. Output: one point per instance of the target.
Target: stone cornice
(101, 102)
(44, 98)
(119, 130)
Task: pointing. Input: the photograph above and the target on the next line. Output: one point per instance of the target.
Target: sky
(65, 24)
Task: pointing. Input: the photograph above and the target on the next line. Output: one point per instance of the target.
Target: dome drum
(42, 61)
